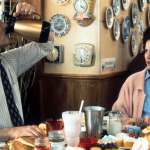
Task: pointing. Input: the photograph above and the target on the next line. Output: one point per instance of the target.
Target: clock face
(53, 55)
(81, 55)
(81, 6)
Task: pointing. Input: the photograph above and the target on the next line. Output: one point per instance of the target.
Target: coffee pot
(31, 29)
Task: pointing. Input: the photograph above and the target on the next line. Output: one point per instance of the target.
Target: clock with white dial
(53, 55)
(83, 54)
(80, 6)
(83, 11)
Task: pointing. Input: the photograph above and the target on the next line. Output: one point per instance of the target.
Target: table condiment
(42, 144)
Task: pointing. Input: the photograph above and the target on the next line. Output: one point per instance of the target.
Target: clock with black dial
(56, 55)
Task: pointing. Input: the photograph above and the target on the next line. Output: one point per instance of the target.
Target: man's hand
(23, 9)
(11, 133)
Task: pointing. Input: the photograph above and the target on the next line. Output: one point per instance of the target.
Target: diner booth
(98, 45)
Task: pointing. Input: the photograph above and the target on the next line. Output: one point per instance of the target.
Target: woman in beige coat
(132, 96)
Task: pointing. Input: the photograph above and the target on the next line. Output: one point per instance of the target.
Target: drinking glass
(72, 127)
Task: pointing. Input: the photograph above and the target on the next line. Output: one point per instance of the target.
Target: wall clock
(125, 4)
(116, 29)
(126, 29)
(83, 54)
(141, 26)
(142, 4)
(59, 25)
(83, 11)
(116, 7)
(134, 43)
(60, 2)
(56, 55)
(109, 17)
(148, 16)
(134, 14)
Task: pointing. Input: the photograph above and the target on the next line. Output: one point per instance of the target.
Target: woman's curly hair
(146, 36)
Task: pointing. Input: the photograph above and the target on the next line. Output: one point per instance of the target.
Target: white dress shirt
(16, 62)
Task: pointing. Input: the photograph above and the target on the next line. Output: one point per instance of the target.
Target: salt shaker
(115, 122)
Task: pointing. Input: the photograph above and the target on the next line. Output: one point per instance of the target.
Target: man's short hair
(146, 36)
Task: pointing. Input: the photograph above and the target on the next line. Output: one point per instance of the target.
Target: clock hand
(82, 7)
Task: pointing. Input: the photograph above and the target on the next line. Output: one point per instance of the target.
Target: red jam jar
(42, 144)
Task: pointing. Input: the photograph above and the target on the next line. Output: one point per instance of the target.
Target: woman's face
(147, 54)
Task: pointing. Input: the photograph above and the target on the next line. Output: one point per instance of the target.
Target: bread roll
(42, 126)
(128, 141)
(95, 148)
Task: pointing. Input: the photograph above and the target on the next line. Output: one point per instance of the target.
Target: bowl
(72, 141)
(88, 143)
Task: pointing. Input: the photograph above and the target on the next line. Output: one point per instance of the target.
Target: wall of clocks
(114, 30)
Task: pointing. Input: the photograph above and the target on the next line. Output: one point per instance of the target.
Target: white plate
(116, 7)
(134, 43)
(126, 29)
(134, 14)
(116, 29)
(141, 26)
(142, 49)
(109, 17)
(148, 16)
(142, 4)
(125, 4)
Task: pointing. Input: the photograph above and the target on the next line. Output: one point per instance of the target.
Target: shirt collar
(147, 75)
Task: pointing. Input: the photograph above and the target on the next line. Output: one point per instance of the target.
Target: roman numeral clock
(83, 11)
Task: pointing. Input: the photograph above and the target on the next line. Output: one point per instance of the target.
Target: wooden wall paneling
(60, 94)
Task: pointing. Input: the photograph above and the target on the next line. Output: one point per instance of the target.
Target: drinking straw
(81, 106)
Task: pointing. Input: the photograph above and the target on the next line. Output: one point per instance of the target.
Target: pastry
(128, 141)
(95, 148)
(23, 143)
(42, 126)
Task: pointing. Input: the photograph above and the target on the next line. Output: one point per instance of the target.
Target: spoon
(54, 137)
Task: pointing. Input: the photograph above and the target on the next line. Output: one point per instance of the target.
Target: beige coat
(131, 97)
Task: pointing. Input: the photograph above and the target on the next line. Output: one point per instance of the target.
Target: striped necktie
(13, 110)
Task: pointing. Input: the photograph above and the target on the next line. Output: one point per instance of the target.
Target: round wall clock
(142, 4)
(126, 29)
(83, 11)
(134, 14)
(134, 43)
(59, 25)
(141, 26)
(149, 16)
(56, 55)
(60, 2)
(125, 4)
(109, 17)
(116, 7)
(116, 29)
